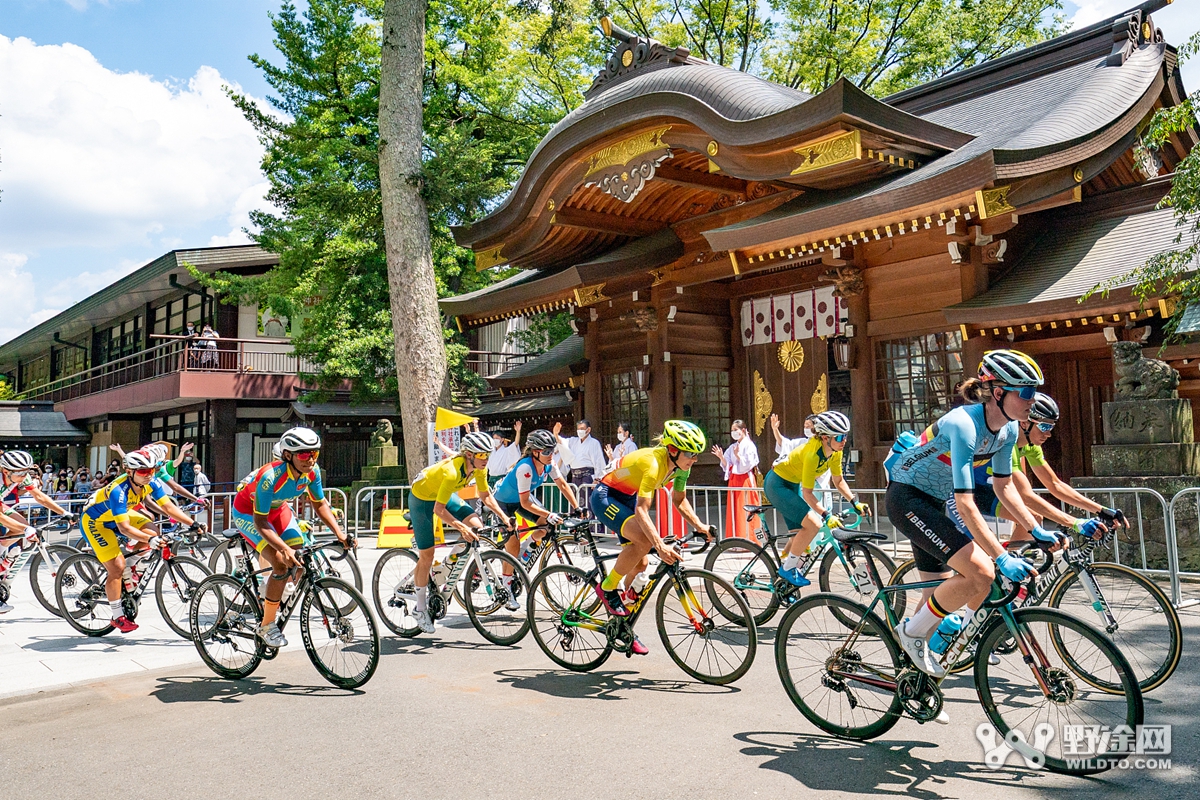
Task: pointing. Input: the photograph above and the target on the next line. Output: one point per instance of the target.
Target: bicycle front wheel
(1146, 630)
(394, 592)
(568, 551)
(338, 562)
(339, 633)
(79, 591)
(851, 578)
(1033, 689)
(495, 601)
(568, 620)
(706, 626)
(747, 566)
(42, 574)
(175, 600)
(223, 623)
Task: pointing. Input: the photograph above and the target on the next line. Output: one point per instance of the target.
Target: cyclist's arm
(810, 497)
(839, 483)
(808, 481)
(485, 495)
(175, 487)
(685, 508)
(267, 531)
(15, 522)
(568, 491)
(1011, 499)
(1063, 491)
(1037, 505)
(325, 512)
(45, 500)
(439, 510)
(168, 507)
(133, 532)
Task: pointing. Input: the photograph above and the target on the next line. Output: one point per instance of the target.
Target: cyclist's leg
(421, 516)
(107, 549)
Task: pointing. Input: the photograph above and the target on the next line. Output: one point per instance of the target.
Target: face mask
(581, 433)
(621, 436)
(737, 435)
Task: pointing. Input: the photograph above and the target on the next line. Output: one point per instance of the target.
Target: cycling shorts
(420, 513)
(518, 510)
(985, 500)
(104, 537)
(281, 520)
(614, 508)
(786, 498)
(922, 518)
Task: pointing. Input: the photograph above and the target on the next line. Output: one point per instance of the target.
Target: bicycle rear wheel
(567, 618)
(714, 642)
(847, 579)
(175, 600)
(1013, 698)
(832, 674)
(1147, 630)
(394, 592)
(490, 595)
(748, 567)
(339, 633)
(79, 590)
(909, 602)
(223, 623)
(42, 574)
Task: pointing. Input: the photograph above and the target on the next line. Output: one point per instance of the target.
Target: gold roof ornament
(762, 404)
(791, 355)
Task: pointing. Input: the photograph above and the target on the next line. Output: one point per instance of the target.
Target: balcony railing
(488, 363)
(176, 354)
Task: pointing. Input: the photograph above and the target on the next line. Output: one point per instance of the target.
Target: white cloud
(252, 199)
(18, 294)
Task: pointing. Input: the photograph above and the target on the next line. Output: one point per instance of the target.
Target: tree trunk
(416, 324)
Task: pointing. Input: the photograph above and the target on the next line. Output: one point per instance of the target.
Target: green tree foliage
(544, 332)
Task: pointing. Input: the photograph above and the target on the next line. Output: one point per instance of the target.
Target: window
(915, 381)
(624, 402)
(160, 319)
(191, 426)
(706, 400)
(35, 373)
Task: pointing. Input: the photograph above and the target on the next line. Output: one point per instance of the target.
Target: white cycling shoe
(5, 607)
(271, 635)
(512, 603)
(918, 650)
(424, 621)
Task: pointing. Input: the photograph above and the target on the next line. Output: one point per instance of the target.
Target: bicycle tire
(1154, 661)
(1015, 662)
(359, 633)
(832, 573)
(754, 566)
(79, 591)
(337, 567)
(223, 612)
(41, 573)
(909, 602)
(884, 659)
(393, 612)
(720, 636)
(487, 609)
(186, 574)
(573, 596)
(222, 559)
(581, 560)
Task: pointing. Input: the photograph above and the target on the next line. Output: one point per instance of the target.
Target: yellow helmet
(683, 435)
(1010, 368)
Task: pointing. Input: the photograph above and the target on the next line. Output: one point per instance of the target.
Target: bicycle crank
(920, 696)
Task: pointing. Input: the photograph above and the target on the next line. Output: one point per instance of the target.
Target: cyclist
(164, 471)
(790, 483)
(622, 500)
(515, 492)
(942, 465)
(15, 531)
(262, 515)
(111, 513)
(433, 494)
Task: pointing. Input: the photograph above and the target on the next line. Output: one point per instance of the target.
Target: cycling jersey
(10, 493)
(437, 483)
(274, 485)
(111, 504)
(804, 464)
(1032, 453)
(946, 456)
(524, 477)
(643, 471)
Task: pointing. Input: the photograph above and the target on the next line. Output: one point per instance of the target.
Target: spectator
(62, 490)
(48, 478)
(203, 484)
(587, 460)
(193, 354)
(740, 463)
(83, 483)
(187, 473)
(506, 455)
(625, 446)
(208, 347)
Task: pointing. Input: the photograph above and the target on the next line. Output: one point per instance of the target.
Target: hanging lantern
(843, 352)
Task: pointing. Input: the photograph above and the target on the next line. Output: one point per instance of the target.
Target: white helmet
(478, 442)
(139, 459)
(16, 461)
(277, 451)
(300, 438)
(831, 423)
(158, 452)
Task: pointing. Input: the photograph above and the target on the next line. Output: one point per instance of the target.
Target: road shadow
(211, 689)
(601, 685)
(391, 645)
(95, 644)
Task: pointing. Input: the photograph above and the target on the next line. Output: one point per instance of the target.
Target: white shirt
(503, 459)
(620, 451)
(741, 457)
(587, 453)
(203, 484)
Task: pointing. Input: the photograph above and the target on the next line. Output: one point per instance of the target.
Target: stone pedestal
(387, 456)
(1148, 422)
(1111, 460)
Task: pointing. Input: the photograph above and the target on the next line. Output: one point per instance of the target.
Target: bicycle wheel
(42, 574)
(831, 674)
(338, 562)
(339, 633)
(223, 623)
(79, 591)
(224, 558)
(569, 552)
(567, 618)
(909, 602)
(751, 570)
(712, 645)
(490, 594)
(851, 578)
(175, 600)
(393, 591)
(1013, 698)
(1147, 628)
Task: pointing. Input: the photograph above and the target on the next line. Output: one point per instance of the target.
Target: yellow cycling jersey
(645, 470)
(808, 462)
(112, 503)
(438, 482)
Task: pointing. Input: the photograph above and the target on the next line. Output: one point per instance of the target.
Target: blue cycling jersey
(946, 456)
(524, 477)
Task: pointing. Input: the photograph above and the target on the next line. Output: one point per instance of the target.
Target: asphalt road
(451, 716)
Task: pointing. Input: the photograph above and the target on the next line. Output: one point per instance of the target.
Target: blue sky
(117, 142)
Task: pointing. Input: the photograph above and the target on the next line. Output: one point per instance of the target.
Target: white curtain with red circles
(781, 318)
(764, 329)
(789, 317)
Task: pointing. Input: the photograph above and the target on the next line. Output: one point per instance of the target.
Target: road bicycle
(843, 668)
(333, 559)
(714, 643)
(1130, 608)
(753, 566)
(83, 602)
(45, 560)
(493, 600)
(336, 626)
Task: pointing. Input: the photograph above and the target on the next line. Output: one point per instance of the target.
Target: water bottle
(945, 633)
(904, 441)
(439, 574)
(458, 550)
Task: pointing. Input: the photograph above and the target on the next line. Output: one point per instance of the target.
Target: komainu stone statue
(1141, 378)
(382, 437)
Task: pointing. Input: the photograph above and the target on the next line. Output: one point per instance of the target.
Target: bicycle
(754, 569)
(842, 667)
(488, 597)
(1134, 612)
(226, 612)
(575, 630)
(333, 559)
(45, 560)
(83, 602)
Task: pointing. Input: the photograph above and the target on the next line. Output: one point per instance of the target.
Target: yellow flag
(447, 419)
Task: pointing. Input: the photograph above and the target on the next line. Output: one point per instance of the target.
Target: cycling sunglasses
(145, 473)
(1024, 392)
(482, 456)
(549, 451)
(306, 454)
(1045, 427)
(841, 437)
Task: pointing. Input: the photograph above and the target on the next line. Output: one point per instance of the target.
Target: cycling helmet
(477, 442)
(16, 461)
(157, 452)
(299, 438)
(1010, 368)
(139, 459)
(276, 451)
(1044, 408)
(541, 440)
(683, 435)
(831, 423)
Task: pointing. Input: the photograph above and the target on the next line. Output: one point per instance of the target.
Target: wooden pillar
(591, 349)
(663, 402)
(222, 431)
(868, 473)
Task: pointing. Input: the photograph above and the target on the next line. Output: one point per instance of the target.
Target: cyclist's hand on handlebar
(554, 519)
(288, 556)
(71, 517)
(1114, 517)
(832, 522)
(469, 535)
(1015, 568)
(711, 532)
(862, 509)
(1048, 537)
(668, 554)
(1090, 528)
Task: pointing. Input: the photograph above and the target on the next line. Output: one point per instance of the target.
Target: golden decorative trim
(627, 58)
(733, 260)
(587, 295)
(713, 148)
(762, 404)
(827, 152)
(486, 259)
(713, 166)
(1078, 174)
(658, 275)
(791, 355)
(621, 153)
(820, 398)
(992, 202)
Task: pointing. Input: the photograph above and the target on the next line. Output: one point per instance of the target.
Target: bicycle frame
(807, 560)
(1074, 559)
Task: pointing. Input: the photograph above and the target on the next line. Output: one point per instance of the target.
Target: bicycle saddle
(757, 509)
(231, 533)
(846, 536)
